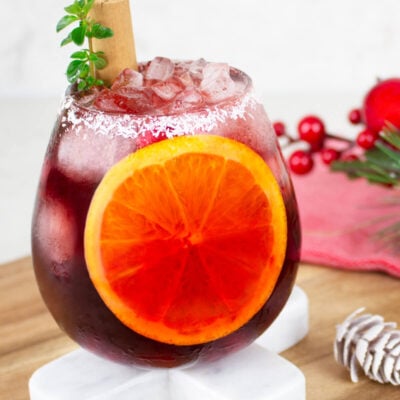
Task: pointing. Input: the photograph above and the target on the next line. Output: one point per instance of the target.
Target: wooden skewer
(119, 50)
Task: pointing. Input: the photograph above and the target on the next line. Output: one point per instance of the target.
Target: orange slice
(185, 239)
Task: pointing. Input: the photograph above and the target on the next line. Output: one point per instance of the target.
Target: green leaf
(78, 35)
(65, 21)
(93, 57)
(99, 31)
(74, 9)
(74, 69)
(83, 62)
(90, 80)
(80, 55)
(100, 63)
(84, 71)
(67, 40)
(88, 6)
(82, 85)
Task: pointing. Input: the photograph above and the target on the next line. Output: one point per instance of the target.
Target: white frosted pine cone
(365, 342)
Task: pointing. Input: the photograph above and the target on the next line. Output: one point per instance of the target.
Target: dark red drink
(95, 131)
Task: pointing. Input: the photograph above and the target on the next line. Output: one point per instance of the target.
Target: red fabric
(341, 219)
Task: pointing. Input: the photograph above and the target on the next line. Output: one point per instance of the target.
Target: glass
(84, 144)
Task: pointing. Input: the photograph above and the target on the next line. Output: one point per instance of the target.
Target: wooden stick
(119, 50)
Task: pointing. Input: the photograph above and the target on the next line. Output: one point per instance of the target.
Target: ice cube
(86, 156)
(125, 100)
(185, 79)
(128, 78)
(217, 85)
(166, 90)
(189, 98)
(181, 68)
(160, 68)
(196, 68)
(110, 102)
(56, 231)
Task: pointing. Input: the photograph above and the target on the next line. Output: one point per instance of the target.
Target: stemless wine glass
(96, 130)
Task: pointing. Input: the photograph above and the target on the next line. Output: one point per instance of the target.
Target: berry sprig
(373, 155)
(313, 134)
(377, 146)
(378, 158)
(380, 136)
(85, 62)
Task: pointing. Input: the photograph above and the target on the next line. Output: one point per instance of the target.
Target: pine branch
(381, 164)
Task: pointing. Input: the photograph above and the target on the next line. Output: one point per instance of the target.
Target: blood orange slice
(185, 239)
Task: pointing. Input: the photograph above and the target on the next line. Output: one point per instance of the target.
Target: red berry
(350, 157)
(355, 116)
(366, 139)
(329, 155)
(301, 162)
(382, 105)
(279, 127)
(312, 130)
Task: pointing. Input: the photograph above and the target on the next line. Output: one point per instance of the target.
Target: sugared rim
(79, 118)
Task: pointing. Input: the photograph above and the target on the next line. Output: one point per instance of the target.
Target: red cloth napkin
(341, 220)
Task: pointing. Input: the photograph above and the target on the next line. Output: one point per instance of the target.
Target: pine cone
(367, 343)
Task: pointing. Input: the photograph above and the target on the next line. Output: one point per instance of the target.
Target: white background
(318, 56)
(285, 45)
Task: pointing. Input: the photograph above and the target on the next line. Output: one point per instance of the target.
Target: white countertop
(26, 128)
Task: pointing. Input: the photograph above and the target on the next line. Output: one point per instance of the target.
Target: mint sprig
(85, 62)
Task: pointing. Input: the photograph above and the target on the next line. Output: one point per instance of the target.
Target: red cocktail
(97, 129)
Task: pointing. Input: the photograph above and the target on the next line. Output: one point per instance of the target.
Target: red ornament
(382, 105)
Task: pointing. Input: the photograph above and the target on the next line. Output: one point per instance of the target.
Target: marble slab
(254, 373)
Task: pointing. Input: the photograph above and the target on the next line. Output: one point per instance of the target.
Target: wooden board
(29, 338)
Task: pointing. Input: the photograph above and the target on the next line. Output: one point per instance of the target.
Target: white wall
(285, 45)
(304, 56)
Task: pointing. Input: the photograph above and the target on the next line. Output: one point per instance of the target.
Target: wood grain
(30, 338)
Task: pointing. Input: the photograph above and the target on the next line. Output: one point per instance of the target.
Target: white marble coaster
(291, 325)
(255, 373)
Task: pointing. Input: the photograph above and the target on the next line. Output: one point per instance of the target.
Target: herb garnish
(85, 62)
